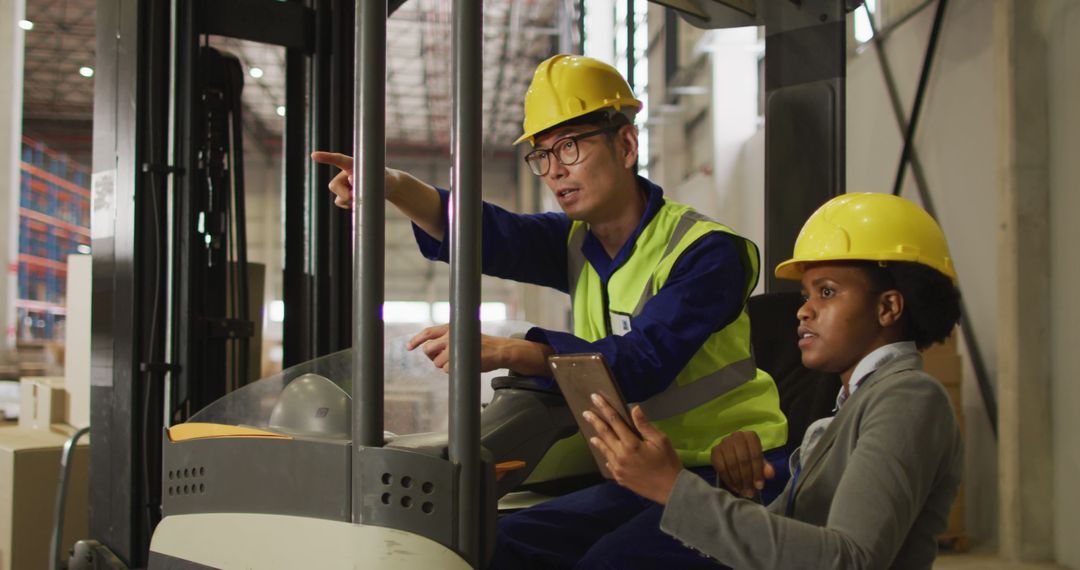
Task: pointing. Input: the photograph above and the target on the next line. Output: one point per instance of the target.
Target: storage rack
(54, 221)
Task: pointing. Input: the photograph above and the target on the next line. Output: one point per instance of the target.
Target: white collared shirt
(876, 359)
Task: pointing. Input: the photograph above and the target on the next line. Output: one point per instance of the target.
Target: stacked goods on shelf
(54, 221)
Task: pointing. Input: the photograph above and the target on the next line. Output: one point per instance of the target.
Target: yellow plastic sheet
(197, 430)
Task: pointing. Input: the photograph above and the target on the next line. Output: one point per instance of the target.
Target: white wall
(957, 144)
(734, 58)
(739, 141)
(1062, 20)
(749, 218)
(718, 169)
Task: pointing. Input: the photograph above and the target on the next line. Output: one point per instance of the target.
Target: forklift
(193, 467)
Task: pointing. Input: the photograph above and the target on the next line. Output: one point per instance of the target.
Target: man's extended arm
(415, 198)
(530, 248)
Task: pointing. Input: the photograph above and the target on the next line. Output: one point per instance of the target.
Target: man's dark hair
(600, 119)
(931, 301)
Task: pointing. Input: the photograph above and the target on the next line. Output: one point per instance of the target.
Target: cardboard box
(29, 474)
(43, 402)
(942, 362)
(10, 400)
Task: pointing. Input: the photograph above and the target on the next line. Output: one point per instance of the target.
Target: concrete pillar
(1025, 458)
(11, 88)
(1062, 19)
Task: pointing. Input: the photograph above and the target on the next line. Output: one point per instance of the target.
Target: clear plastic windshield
(416, 393)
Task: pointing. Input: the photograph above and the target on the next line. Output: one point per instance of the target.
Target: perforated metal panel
(409, 491)
(252, 475)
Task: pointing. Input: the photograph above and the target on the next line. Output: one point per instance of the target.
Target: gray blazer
(874, 493)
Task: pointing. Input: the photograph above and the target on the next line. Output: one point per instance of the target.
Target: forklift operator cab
(276, 453)
(232, 455)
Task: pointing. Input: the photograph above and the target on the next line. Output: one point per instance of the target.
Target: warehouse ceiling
(518, 34)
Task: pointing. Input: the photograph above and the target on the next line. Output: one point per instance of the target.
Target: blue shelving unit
(54, 221)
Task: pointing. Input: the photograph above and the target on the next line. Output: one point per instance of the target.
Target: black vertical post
(581, 25)
(631, 60)
(671, 43)
(465, 186)
(804, 120)
(332, 119)
(322, 206)
(339, 228)
(369, 219)
(297, 279)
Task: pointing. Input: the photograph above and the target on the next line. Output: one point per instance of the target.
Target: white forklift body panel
(240, 540)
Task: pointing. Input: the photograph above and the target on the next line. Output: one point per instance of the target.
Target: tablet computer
(581, 375)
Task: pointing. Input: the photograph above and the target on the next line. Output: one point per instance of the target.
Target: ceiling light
(26, 25)
(86, 71)
(256, 72)
(281, 110)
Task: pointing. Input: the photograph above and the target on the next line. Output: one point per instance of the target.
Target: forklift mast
(169, 289)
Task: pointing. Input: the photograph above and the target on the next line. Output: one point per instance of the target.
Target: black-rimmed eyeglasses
(565, 150)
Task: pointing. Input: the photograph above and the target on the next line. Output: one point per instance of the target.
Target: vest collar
(594, 250)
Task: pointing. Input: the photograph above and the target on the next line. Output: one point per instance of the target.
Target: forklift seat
(805, 395)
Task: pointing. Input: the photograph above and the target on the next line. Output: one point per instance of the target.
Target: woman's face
(842, 318)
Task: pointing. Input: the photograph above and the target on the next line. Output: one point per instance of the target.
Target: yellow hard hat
(569, 86)
(869, 227)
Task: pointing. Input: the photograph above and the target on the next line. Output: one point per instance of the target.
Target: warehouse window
(864, 32)
(625, 48)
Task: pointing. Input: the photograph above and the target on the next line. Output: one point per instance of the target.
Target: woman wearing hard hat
(655, 287)
(871, 486)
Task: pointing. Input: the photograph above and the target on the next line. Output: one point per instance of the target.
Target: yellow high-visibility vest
(719, 391)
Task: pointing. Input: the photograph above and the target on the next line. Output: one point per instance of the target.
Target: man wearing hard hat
(655, 287)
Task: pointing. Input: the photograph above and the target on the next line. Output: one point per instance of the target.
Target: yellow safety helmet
(569, 86)
(869, 227)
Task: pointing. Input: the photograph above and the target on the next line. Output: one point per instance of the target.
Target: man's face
(589, 190)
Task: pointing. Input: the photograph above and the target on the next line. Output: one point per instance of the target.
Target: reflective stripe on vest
(679, 399)
(685, 223)
(575, 260)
